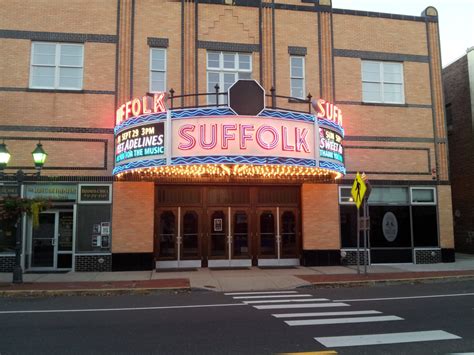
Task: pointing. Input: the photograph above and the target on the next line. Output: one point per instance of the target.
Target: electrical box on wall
(96, 241)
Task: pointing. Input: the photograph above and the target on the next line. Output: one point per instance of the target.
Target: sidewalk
(251, 279)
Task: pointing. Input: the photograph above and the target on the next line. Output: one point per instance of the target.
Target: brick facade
(393, 144)
(458, 79)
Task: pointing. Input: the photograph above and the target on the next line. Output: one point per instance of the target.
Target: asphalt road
(201, 322)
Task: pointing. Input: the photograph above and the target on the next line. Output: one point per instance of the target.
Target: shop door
(51, 241)
(43, 242)
(241, 237)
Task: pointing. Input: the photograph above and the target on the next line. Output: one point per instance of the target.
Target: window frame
(57, 66)
(303, 78)
(340, 195)
(382, 82)
(160, 71)
(414, 203)
(221, 71)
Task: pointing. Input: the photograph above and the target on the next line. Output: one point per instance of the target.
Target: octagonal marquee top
(246, 97)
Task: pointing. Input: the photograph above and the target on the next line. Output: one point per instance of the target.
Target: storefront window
(425, 228)
(423, 195)
(389, 195)
(7, 236)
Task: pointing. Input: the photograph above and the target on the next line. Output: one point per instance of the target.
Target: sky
(456, 20)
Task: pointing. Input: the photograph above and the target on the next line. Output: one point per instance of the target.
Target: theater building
(221, 133)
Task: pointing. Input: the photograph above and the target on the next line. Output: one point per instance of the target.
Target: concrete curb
(356, 283)
(88, 292)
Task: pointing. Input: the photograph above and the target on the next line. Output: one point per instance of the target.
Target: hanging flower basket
(13, 208)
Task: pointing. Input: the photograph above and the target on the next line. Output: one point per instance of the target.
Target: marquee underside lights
(236, 170)
(154, 141)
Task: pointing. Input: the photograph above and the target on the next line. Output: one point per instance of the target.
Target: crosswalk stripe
(387, 338)
(293, 323)
(323, 314)
(269, 296)
(258, 293)
(287, 301)
(301, 305)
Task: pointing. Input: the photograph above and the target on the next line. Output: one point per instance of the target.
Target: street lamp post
(39, 158)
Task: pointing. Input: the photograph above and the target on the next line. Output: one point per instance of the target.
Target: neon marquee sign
(141, 106)
(147, 135)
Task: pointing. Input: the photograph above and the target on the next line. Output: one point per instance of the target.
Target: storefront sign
(94, 193)
(8, 190)
(51, 192)
(330, 145)
(141, 141)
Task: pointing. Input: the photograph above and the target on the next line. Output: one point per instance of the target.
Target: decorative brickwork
(7, 263)
(428, 256)
(158, 42)
(99, 262)
(230, 47)
(350, 53)
(58, 36)
(351, 257)
(292, 50)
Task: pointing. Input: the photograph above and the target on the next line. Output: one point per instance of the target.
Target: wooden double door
(227, 236)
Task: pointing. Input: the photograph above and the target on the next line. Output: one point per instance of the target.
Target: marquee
(149, 138)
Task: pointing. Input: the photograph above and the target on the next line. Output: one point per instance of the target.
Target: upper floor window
(157, 69)
(57, 66)
(225, 68)
(297, 77)
(382, 82)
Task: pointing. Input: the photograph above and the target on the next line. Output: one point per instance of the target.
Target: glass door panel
(66, 220)
(289, 233)
(43, 241)
(167, 234)
(190, 239)
(241, 234)
(267, 232)
(217, 235)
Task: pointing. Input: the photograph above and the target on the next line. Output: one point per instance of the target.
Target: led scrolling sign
(200, 141)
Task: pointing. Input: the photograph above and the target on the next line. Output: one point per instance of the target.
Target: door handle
(53, 241)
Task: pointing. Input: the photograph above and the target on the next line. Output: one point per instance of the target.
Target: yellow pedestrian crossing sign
(358, 190)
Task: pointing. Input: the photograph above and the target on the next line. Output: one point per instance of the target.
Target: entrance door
(241, 237)
(190, 238)
(267, 234)
(52, 240)
(178, 238)
(289, 230)
(218, 237)
(278, 236)
(43, 242)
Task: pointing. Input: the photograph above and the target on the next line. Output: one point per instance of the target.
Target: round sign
(390, 226)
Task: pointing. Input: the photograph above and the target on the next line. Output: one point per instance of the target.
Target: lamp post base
(17, 275)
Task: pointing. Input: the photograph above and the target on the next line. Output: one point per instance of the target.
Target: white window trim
(381, 82)
(340, 195)
(433, 203)
(151, 70)
(57, 66)
(221, 70)
(304, 77)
